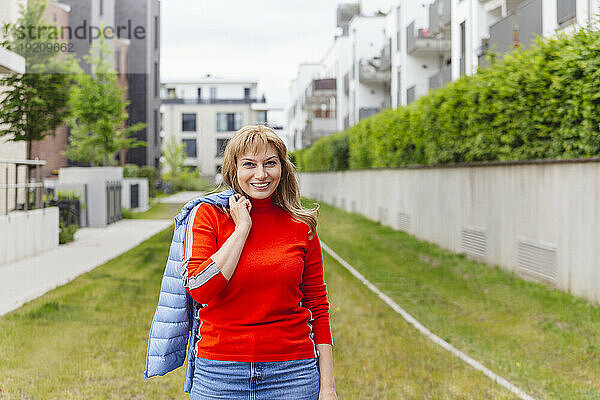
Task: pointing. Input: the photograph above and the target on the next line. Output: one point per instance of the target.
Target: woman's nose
(261, 173)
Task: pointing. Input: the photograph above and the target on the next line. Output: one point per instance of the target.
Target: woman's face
(258, 174)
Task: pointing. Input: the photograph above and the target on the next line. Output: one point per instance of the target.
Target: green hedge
(539, 103)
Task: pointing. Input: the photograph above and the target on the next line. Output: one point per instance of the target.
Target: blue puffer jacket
(171, 328)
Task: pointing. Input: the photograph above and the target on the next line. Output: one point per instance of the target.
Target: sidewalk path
(181, 197)
(30, 278)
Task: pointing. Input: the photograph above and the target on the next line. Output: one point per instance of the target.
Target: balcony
(371, 70)
(440, 79)
(422, 42)
(211, 101)
(366, 112)
(320, 91)
(503, 35)
(529, 19)
(439, 15)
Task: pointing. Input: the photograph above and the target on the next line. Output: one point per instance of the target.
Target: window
(189, 146)
(261, 117)
(156, 126)
(227, 122)
(199, 93)
(156, 32)
(565, 10)
(171, 94)
(156, 79)
(188, 122)
(246, 93)
(221, 144)
(118, 60)
(213, 93)
(463, 46)
(101, 7)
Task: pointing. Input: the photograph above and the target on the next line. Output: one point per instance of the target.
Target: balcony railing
(529, 19)
(370, 71)
(421, 41)
(441, 78)
(503, 35)
(320, 91)
(19, 190)
(211, 101)
(366, 112)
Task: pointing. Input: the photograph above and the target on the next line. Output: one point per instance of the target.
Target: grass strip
(543, 340)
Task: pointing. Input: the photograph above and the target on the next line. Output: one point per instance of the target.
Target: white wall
(96, 179)
(143, 197)
(27, 233)
(553, 205)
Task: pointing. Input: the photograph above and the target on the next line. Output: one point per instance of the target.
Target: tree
(34, 104)
(174, 154)
(98, 112)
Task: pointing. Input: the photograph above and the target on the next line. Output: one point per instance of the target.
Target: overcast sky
(261, 39)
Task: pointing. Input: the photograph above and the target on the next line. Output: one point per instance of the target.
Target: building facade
(204, 115)
(11, 63)
(391, 58)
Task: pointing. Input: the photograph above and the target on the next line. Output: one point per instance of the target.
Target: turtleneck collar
(262, 204)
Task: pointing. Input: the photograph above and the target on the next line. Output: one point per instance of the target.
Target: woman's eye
(271, 163)
(247, 164)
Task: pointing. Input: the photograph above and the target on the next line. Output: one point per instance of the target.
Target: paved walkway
(30, 278)
(181, 197)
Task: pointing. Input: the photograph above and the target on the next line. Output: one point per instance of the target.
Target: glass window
(221, 144)
(189, 146)
(188, 122)
(227, 122)
(261, 117)
(118, 60)
(171, 93)
(199, 93)
(213, 93)
(246, 93)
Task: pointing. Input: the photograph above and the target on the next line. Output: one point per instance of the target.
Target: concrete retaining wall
(540, 220)
(27, 233)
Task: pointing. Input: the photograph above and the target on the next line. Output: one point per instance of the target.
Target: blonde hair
(254, 138)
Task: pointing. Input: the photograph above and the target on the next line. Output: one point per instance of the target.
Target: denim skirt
(233, 380)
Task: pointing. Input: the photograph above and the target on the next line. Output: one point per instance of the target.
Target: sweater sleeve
(315, 292)
(202, 278)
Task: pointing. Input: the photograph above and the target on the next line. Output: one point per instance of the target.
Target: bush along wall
(539, 103)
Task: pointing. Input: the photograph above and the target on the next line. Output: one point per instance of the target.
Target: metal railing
(21, 185)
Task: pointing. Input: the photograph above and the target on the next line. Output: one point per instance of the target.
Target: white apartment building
(392, 59)
(11, 63)
(204, 115)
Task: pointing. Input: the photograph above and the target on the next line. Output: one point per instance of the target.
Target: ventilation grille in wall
(473, 241)
(537, 259)
(403, 221)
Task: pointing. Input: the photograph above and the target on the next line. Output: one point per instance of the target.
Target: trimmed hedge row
(539, 103)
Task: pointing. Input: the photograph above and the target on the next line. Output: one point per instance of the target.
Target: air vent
(403, 221)
(537, 259)
(473, 241)
(382, 215)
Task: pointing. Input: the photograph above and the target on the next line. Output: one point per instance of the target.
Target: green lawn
(545, 341)
(157, 211)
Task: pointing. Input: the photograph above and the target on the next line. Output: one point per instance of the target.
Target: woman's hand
(239, 208)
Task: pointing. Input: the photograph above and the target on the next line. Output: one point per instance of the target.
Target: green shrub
(148, 172)
(539, 103)
(187, 180)
(66, 233)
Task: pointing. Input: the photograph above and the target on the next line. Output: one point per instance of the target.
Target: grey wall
(540, 220)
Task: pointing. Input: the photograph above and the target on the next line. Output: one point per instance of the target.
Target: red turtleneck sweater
(274, 307)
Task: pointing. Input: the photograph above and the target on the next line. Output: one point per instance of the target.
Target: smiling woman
(257, 268)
